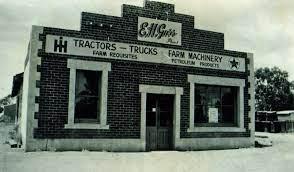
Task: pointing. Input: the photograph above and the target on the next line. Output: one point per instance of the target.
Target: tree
(272, 89)
(292, 86)
(7, 100)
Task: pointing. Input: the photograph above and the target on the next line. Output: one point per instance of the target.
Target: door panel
(151, 138)
(164, 136)
(159, 120)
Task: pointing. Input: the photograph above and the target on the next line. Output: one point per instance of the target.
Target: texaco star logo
(234, 63)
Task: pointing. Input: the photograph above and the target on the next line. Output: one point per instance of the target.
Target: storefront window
(215, 104)
(87, 96)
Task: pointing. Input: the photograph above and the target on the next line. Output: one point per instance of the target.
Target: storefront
(147, 80)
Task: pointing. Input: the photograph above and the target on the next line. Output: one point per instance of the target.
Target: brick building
(147, 80)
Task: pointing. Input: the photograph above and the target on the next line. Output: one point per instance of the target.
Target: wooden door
(159, 120)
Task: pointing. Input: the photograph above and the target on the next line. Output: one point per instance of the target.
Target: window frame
(104, 67)
(221, 106)
(217, 81)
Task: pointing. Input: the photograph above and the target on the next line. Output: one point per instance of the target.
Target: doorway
(159, 122)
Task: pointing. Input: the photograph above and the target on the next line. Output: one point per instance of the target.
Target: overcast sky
(263, 27)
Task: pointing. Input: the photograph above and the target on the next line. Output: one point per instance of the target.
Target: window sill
(209, 125)
(86, 126)
(216, 129)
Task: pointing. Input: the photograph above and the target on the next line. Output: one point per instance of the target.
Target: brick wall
(125, 76)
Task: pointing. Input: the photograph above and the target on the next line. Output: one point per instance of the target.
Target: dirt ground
(278, 158)
(4, 136)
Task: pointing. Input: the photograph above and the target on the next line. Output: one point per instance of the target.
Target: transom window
(215, 104)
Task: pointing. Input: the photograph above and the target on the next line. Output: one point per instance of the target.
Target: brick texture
(125, 76)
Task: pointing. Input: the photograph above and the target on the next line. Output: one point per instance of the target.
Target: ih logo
(60, 45)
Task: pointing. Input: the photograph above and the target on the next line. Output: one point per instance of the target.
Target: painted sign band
(124, 51)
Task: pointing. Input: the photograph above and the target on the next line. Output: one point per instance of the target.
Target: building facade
(147, 80)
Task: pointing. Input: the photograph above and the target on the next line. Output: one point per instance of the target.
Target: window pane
(201, 108)
(215, 104)
(87, 94)
(213, 94)
(151, 103)
(151, 118)
(165, 119)
(201, 114)
(228, 114)
(227, 96)
(87, 82)
(86, 107)
(200, 95)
